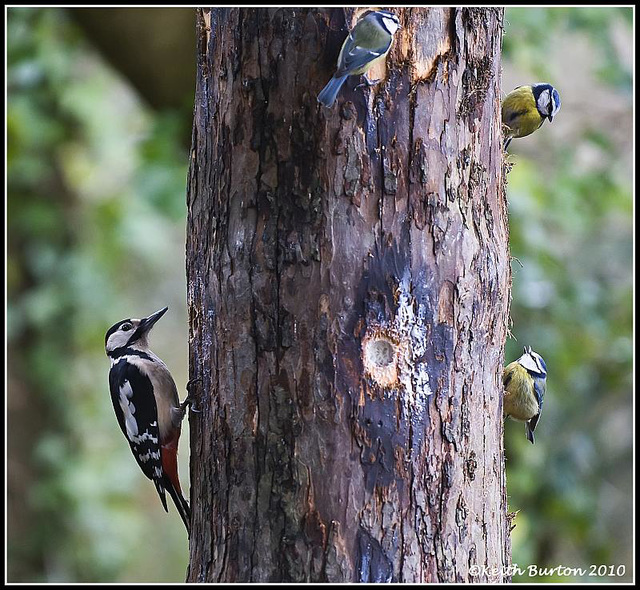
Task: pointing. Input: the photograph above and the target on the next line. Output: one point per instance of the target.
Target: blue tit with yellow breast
(525, 383)
(525, 108)
(368, 43)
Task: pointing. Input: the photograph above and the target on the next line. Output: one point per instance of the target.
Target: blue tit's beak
(550, 117)
(147, 323)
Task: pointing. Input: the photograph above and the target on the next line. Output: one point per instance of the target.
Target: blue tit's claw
(368, 83)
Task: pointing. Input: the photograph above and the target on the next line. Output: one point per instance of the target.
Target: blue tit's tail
(328, 94)
(530, 426)
(528, 429)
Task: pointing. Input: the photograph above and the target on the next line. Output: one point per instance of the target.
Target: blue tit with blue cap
(525, 383)
(525, 109)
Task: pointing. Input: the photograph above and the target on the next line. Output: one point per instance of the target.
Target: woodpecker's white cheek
(118, 340)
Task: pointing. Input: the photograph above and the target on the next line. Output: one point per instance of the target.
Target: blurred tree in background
(96, 167)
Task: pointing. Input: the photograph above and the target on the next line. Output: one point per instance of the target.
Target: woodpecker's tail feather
(160, 487)
(329, 93)
(165, 485)
(170, 480)
(181, 504)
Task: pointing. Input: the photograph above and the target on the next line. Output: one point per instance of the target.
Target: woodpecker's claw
(190, 384)
(190, 399)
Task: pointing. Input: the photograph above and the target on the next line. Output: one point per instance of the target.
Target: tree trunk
(349, 287)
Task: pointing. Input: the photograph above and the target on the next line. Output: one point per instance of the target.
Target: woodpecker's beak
(147, 323)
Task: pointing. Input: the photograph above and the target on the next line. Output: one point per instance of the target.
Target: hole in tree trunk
(380, 357)
(380, 353)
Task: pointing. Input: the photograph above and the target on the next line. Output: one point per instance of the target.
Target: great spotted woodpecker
(147, 406)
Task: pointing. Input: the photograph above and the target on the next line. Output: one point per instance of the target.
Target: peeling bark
(349, 287)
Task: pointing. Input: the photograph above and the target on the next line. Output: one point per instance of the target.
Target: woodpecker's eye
(126, 327)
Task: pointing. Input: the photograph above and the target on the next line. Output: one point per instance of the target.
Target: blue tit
(525, 382)
(525, 108)
(366, 44)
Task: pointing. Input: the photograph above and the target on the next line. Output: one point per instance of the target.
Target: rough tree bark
(349, 287)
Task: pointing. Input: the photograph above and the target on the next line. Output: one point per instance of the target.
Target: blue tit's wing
(509, 116)
(353, 57)
(539, 387)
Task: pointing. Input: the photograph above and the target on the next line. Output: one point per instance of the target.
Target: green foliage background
(96, 221)
(571, 211)
(95, 233)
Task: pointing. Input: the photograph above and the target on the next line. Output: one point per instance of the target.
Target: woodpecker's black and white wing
(135, 407)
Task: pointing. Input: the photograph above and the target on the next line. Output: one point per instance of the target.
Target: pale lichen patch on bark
(425, 43)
